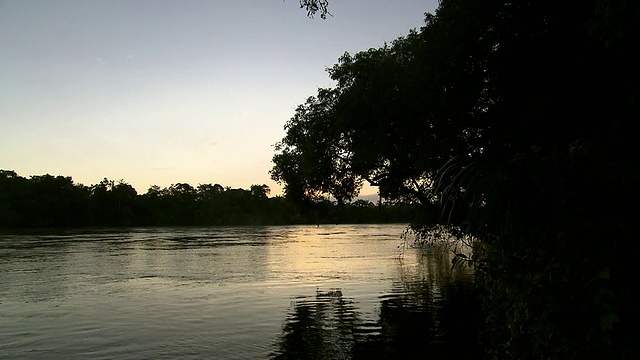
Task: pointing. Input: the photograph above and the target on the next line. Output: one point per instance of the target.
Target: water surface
(227, 293)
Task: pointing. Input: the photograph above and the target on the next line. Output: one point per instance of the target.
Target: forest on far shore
(56, 201)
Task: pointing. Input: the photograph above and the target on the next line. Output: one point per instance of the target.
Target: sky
(158, 92)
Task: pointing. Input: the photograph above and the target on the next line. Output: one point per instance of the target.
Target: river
(287, 292)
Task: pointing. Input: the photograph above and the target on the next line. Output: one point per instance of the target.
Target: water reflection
(429, 312)
(320, 327)
(226, 293)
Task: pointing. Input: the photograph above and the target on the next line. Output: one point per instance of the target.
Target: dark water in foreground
(293, 292)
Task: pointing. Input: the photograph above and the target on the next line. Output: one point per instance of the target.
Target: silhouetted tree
(48, 201)
(512, 116)
(13, 199)
(126, 203)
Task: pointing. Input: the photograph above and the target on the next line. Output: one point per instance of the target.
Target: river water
(288, 292)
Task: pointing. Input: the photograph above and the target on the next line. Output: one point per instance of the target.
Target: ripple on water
(224, 293)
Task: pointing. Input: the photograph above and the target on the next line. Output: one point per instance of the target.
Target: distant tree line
(56, 201)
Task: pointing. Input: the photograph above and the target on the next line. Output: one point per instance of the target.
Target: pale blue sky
(159, 92)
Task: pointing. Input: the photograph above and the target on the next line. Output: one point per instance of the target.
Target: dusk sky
(162, 92)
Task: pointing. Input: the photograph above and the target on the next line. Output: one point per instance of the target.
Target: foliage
(316, 6)
(516, 118)
(48, 201)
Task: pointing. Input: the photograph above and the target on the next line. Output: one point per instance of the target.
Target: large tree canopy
(518, 119)
(483, 85)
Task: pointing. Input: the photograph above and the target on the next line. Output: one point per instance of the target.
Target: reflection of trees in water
(433, 306)
(429, 312)
(320, 327)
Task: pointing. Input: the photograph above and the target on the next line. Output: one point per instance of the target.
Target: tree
(315, 158)
(54, 200)
(260, 192)
(383, 123)
(316, 6)
(126, 202)
(13, 192)
(510, 116)
(113, 203)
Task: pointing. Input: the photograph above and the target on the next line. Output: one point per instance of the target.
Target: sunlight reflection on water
(208, 292)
